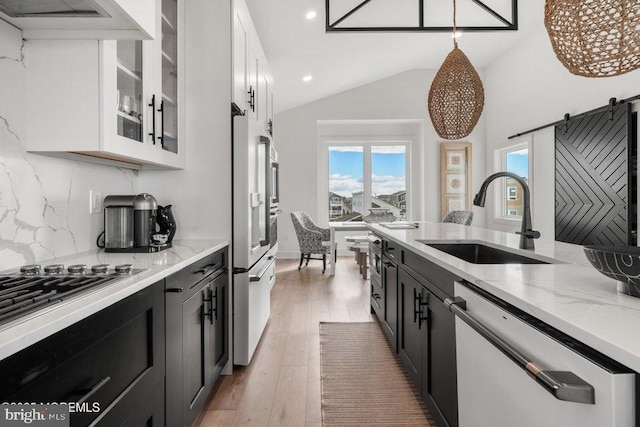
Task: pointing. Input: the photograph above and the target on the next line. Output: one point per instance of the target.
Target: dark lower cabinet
(425, 331)
(390, 289)
(149, 360)
(114, 359)
(440, 379)
(221, 317)
(412, 331)
(197, 336)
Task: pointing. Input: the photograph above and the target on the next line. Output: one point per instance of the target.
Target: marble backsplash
(44, 201)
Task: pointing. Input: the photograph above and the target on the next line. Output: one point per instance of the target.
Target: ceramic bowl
(620, 263)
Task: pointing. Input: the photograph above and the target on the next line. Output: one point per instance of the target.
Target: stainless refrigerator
(255, 216)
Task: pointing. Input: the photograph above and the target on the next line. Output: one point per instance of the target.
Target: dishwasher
(515, 370)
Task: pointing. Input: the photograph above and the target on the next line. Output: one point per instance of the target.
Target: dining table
(338, 227)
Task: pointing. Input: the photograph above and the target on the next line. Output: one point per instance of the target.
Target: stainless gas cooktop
(33, 287)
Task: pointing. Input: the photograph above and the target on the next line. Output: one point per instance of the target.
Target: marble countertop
(571, 296)
(22, 332)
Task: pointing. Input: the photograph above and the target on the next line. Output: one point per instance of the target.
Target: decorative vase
(166, 222)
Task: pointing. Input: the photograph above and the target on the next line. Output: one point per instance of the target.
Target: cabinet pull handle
(253, 100)
(214, 307)
(212, 311)
(252, 96)
(207, 269)
(417, 308)
(564, 385)
(161, 111)
(93, 390)
(152, 134)
(421, 315)
(174, 290)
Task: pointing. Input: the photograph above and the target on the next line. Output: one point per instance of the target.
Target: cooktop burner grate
(21, 294)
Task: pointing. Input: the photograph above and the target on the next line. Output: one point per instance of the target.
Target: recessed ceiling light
(311, 14)
(458, 34)
(307, 79)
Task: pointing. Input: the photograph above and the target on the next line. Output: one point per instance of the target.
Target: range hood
(82, 19)
(52, 9)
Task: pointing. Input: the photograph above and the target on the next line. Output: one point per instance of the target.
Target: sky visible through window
(346, 169)
(518, 162)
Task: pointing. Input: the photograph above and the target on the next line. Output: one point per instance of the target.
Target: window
(364, 176)
(514, 159)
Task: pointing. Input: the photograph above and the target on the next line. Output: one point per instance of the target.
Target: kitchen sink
(477, 253)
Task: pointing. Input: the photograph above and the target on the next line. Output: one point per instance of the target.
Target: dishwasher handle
(563, 385)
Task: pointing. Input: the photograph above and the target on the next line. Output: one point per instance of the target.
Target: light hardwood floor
(281, 387)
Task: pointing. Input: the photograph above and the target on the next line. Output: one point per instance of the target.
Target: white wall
(399, 97)
(528, 87)
(44, 202)
(201, 194)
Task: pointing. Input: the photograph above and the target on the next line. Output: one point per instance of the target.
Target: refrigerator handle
(276, 197)
(267, 185)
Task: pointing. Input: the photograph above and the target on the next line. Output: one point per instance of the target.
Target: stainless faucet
(527, 234)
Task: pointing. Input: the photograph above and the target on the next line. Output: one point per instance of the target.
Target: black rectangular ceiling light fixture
(413, 16)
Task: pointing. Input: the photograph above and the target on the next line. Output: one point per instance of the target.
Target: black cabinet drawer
(391, 250)
(104, 356)
(190, 276)
(440, 281)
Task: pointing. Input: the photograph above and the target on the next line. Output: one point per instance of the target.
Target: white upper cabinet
(115, 102)
(82, 19)
(240, 58)
(252, 89)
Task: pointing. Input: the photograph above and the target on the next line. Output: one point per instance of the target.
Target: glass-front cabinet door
(141, 94)
(130, 101)
(126, 91)
(169, 103)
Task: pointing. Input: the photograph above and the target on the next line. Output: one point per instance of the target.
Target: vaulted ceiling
(338, 61)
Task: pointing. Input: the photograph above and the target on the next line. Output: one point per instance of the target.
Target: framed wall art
(455, 177)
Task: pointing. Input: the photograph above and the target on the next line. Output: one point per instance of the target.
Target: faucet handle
(531, 234)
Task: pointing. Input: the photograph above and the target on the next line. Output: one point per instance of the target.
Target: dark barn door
(594, 157)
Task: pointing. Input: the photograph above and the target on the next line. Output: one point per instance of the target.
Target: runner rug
(363, 382)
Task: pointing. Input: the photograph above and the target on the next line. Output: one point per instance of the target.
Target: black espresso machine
(131, 224)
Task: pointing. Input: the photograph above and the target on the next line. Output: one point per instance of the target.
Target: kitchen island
(569, 294)
(541, 311)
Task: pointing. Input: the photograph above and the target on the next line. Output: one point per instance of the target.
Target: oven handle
(563, 385)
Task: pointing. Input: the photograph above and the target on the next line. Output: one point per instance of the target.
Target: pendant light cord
(455, 38)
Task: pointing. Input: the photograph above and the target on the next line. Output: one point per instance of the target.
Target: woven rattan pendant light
(456, 97)
(595, 38)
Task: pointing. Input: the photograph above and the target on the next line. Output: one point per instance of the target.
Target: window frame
(499, 160)
(513, 196)
(366, 142)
